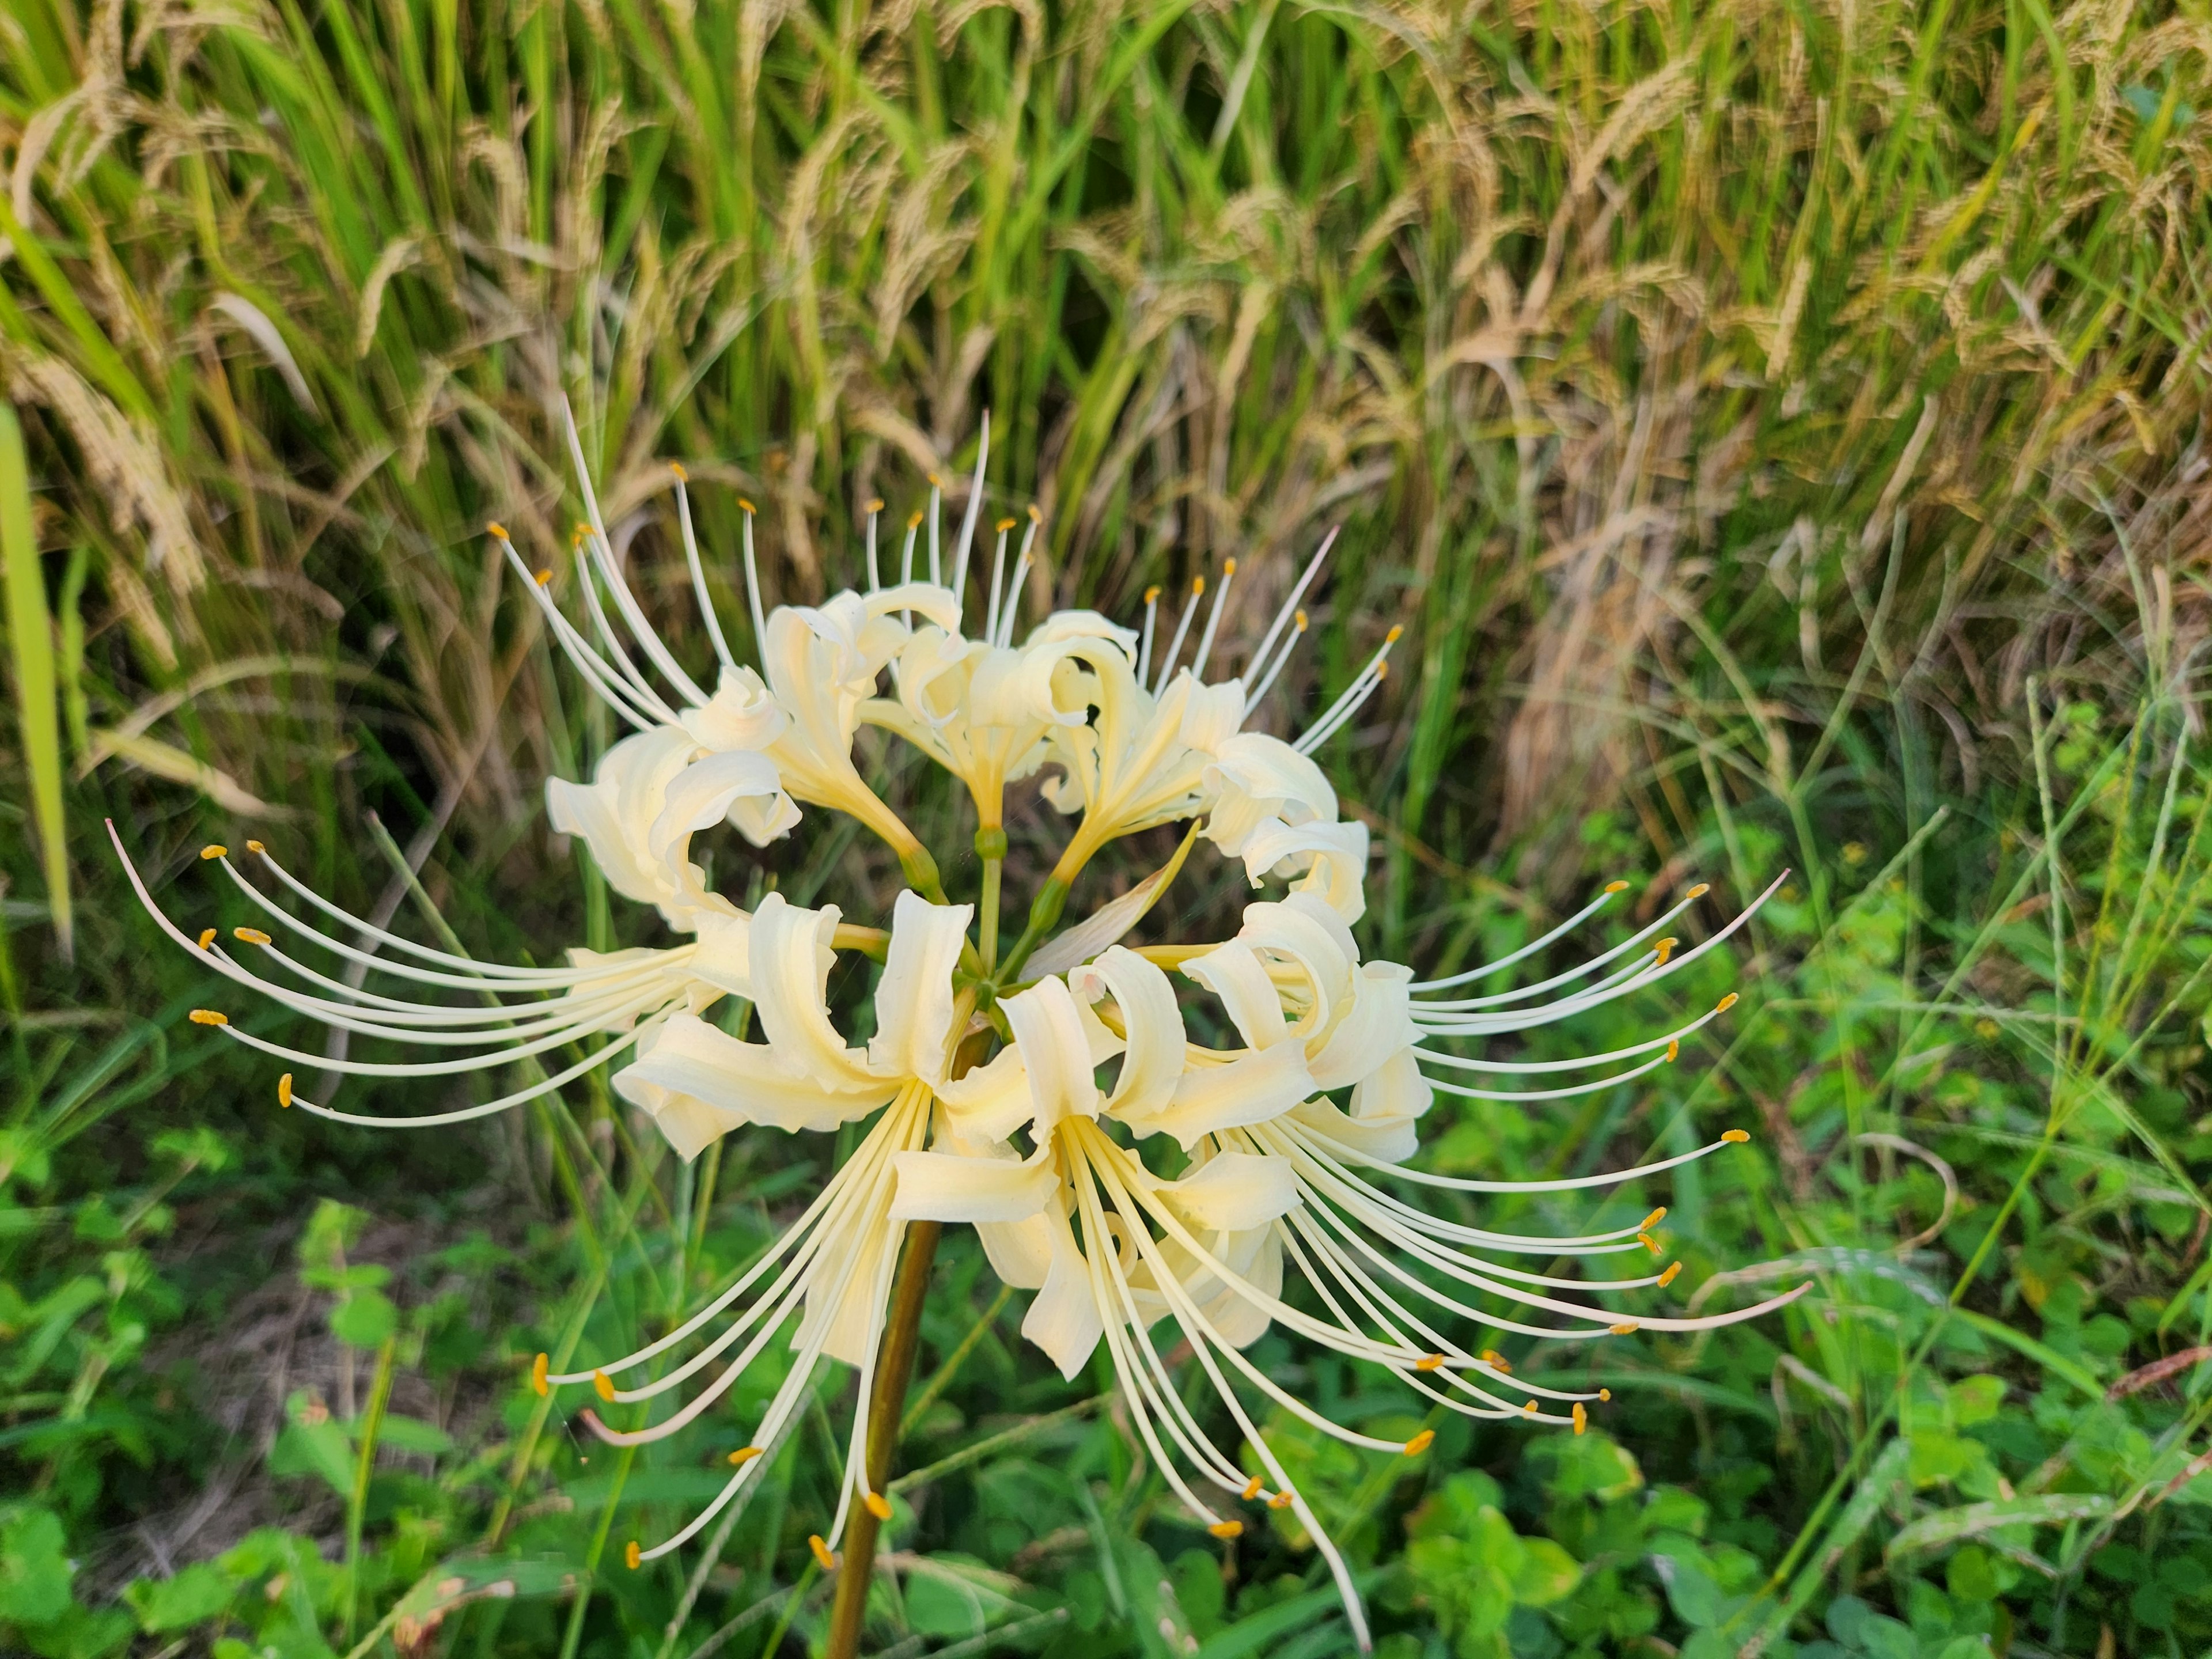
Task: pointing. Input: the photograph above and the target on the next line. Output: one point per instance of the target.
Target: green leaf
(1971, 1520)
(34, 1573)
(364, 1319)
(31, 648)
(197, 1593)
(1546, 1574)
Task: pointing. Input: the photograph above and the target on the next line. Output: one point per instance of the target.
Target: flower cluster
(982, 1085)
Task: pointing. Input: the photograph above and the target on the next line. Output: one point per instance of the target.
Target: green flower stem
(372, 1425)
(886, 1408)
(991, 848)
(1044, 913)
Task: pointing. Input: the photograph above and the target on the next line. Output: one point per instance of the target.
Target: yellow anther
(537, 1382)
(821, 1555)
(1648, 1242)
(583, 531)
(676, 467)
(1530, 1408)
(1652, 1220)
(1298, 621)
(1668, 1278)
(1004, 525)
(1228, 566)
(1430, 1362)
(1397, 632)
(1582, 1418)
(1251, 1489)
(255, 846)
(1726, 1003)
(875, 504)
(1152, 594)
(214, 850)
(207, 937)
(1663, 950)
(1735, 1137)
(1626, 1328)
(913, 519)
(1674, 1051)
(744, 506)
(1699, 890)
(498, 530)
(208, 1017)
(1616, 887)
(1227, 1529)
(545, 577)
(605, 1384)
(1605, 1393)
(632, 1555)
(878, 1505)
(1420, 1443)
(1197, 586)
(251, 936)
(1281, 1500)
(284, 1090)
(935, 483)
(743, 1455)
(1496, 1362)
(1036, 514)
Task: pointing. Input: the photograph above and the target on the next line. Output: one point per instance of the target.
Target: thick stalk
(886, 1407)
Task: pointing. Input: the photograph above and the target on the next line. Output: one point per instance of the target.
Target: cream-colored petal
(1234, 973)
(913, 999)
(1378, 1026)
(1385, 1139)
(1063, 1319)
(1020, 1252)
(791, 959)
(1257, 1086)
(1395, 1089)
(1326, 860)
(992, 1102)
(724, 957)
(1153, 1062)
(1234, 1192)
(1056, 1044)
(741, 715)
(745, 1082)
(946, 1186)
(614, 813)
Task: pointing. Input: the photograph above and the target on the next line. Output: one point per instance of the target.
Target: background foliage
(1779, 426)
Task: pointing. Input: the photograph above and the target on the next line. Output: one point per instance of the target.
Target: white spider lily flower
(1290, 1201)
(649, 796)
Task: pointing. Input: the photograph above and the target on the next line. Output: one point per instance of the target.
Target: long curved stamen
(1213, 620)
(967, 542)
(998, 581)
(1151, 619)
(641, 687)
(752, 582)
(1289, 608)
(1584, 1062)
(699, 574)
(875, 583)
(1581, 970)
(470, 1113)
(1267, 680)
(605, 683)
(1353, 696)
(936, 502)
(906, 553)
(1021, 574)
(1568, 1007)
(1606, 897)
(1182, 632)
